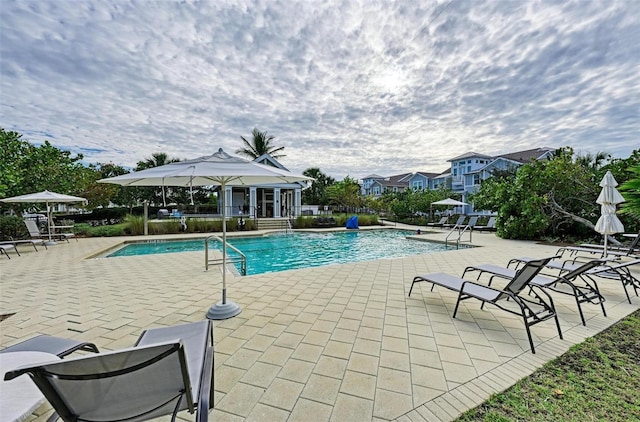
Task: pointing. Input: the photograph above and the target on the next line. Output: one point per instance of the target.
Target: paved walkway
(332, 343)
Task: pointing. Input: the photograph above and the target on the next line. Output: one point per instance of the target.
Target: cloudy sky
(353, 87)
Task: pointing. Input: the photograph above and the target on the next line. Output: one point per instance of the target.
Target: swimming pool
(279, 252)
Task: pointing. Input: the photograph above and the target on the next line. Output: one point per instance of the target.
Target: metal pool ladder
(239, 259)
(461, 232)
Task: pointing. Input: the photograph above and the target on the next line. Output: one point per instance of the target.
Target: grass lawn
(595, 380)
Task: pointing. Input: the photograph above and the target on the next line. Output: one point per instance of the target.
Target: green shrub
(303, 222)
(198, 225)
(83, 229)
(250, 224)
(12, 226)
(135, 225)
(108, 231)
(368, 220)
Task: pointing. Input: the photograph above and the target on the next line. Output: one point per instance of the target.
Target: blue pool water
(279, 252)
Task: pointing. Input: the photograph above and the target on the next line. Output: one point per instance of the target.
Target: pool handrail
(241, 258)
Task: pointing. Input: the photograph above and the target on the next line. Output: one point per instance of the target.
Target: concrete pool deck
(333, 343)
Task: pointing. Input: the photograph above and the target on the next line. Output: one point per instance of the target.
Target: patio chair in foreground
(169, 370)
(55, 345)
(533, 310)
(570, 282)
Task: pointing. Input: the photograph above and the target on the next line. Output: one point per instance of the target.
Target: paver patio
(332, 343)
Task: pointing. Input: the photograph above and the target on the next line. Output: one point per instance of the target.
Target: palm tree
(259, 145)
(631, 192)
(156, 160)
(316, 194)
(593, 161)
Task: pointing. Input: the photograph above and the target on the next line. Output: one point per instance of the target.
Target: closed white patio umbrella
(609, 198)
(47, 198)
(219, 169)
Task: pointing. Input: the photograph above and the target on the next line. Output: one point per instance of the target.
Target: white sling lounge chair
(630, 251)
(565, 283)
(8, 246)
(32, 242)
(169, 370)
(59, 346)
(533, 310)
(609, 270)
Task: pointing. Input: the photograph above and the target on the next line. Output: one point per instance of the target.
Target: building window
(469, 169)
(417, 184)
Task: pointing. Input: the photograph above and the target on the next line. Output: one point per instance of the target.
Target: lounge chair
(565, 283)
(55, 345)
(633, 247)
(533, 310)
(608, 270)
(32, 242)
(440, 223)
(632, 251)
(4, 247)
(459, 222)
(34, 232)
(471, 224)
(169, 370)
(491, 225)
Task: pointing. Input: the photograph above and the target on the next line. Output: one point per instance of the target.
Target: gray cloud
(351, 87)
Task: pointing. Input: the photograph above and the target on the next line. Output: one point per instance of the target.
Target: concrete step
(272, 224)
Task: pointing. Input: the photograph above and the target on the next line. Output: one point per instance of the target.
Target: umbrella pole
(224, 247)
(224, 309)
(49, 218)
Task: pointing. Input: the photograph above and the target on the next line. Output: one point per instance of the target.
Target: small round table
(20, 396)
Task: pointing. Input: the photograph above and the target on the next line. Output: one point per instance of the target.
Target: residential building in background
(464, 175)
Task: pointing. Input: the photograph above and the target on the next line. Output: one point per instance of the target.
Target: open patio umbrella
(450, 202)
(47, 198)
(609, 198)
(218, 169)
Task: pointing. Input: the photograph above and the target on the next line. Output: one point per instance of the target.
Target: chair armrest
(205, 401)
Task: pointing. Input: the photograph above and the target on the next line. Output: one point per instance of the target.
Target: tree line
(544, 198)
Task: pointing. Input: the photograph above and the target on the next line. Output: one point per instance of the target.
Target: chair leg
(526, 326)
(575, 295)
(460, 299)
(415, 280)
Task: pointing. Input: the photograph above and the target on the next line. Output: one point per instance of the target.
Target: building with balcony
(464, 175)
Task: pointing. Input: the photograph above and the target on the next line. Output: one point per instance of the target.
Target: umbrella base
(50, 243)
(223, 311)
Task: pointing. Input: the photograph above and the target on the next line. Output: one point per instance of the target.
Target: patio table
(20, 396)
